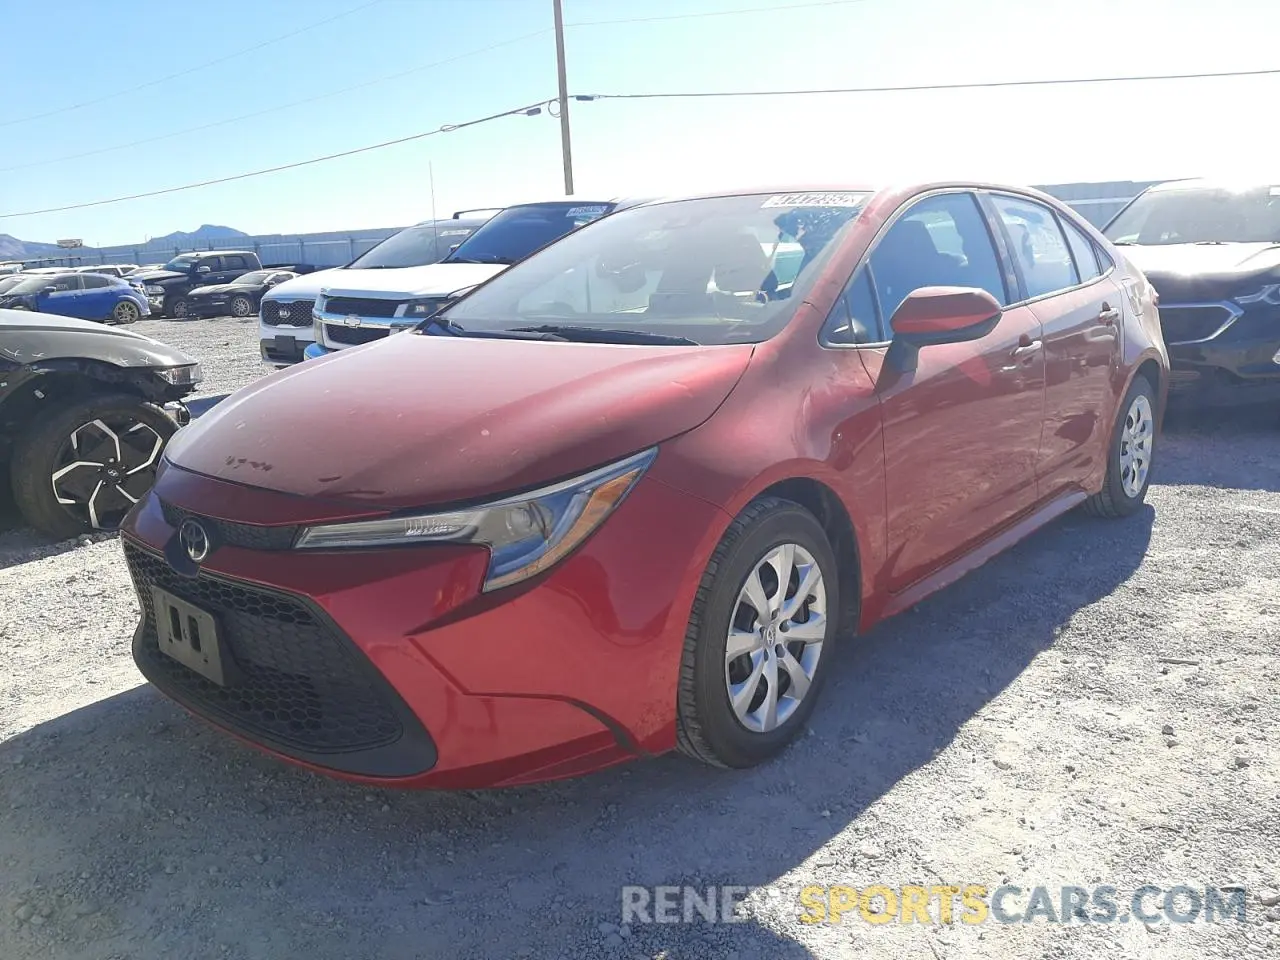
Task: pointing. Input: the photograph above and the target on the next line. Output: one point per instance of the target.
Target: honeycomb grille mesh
(246, 535)
(295, 681)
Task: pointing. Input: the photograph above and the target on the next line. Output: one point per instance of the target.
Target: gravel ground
(1023, 726)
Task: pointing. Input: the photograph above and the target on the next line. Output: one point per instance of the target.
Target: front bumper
(572, 672)
(284, 348)
(1236, 364)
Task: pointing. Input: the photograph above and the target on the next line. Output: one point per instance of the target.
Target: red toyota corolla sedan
(631, 494)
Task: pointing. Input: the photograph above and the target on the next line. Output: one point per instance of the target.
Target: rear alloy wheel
(83, 467)
(126, 311)
(1129, 455)
(758, 641)
(241, 307)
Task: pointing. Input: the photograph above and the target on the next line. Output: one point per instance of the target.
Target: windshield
(712, 271)
(516, 232)
(412, 247)
(35, 284)
(8, 283)
(1199, 215)
(253, 279)
(180, 264)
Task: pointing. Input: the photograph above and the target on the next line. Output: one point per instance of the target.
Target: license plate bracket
(189, 635)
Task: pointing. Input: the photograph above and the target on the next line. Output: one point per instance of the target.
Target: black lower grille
(246, 535)
(298, 684)
(1185, 324)
(362, 306)
(354, 336)
(294, 313)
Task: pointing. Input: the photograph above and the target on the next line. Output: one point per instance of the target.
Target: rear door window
(1036, 243)
(1083, 252)
(94, 281)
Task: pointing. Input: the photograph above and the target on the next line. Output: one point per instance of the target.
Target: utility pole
(566, 152)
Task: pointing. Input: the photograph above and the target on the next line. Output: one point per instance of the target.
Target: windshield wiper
(447, 328)
(1211, 243)
(505, 261)
(606, 335)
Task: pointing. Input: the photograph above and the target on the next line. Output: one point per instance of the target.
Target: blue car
(89, 296)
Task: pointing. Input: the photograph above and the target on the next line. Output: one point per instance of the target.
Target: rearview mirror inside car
(933, 315)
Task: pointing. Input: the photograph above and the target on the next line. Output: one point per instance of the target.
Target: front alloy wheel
(241, 307)
(756, 649)
(775, 638)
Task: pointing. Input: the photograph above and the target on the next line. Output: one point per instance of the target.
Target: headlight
(154, 290)
(525, 534)
(191, 373)
(418, 309)
(1268, 294)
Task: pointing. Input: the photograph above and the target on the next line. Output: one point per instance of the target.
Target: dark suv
(1212, 252)
(83, 417)
(167, 287)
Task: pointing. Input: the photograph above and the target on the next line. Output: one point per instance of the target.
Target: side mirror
(49, 289)
(933, 315)
(203, 269)
(454, 247)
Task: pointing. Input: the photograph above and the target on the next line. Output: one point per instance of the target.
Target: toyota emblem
(195, 540)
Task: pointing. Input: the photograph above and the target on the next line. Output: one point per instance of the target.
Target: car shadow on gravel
(181, 838)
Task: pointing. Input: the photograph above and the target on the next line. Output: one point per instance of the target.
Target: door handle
(1026, 349)
(1109, 314)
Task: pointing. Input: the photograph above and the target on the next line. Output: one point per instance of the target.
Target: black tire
(176, 308)
(240, 307)
(41, 451)
(1113, 501)
(707, 728)
(126, 311)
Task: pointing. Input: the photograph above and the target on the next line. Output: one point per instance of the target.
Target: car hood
(433, 280)
(27, 337)
(154, 276)
(305, 287)
(1183, 272)
(213, 289)
(416, 420)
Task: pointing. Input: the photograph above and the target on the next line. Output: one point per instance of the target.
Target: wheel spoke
(155, 448)
(740, 642)
(93, 507)
(59, 474)
(813, 630)
(741, 694)
(125, 493)
(783, 561)
(799, 679)
(809, 577)
(768, 710)
(107, 431)
(753, 593)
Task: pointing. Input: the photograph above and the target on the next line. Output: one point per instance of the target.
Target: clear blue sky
(64, 52)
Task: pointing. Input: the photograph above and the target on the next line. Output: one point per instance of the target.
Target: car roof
(1208, 183)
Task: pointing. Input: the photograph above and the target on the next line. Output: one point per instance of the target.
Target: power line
(775, 8)
(276, 108)
(528, 110)
(908, 88)
(189, 70)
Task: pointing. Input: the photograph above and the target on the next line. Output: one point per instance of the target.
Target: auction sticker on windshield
(594, 211)
(815, 200)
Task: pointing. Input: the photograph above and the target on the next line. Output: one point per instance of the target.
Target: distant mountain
(207, 231)
(11, 248)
